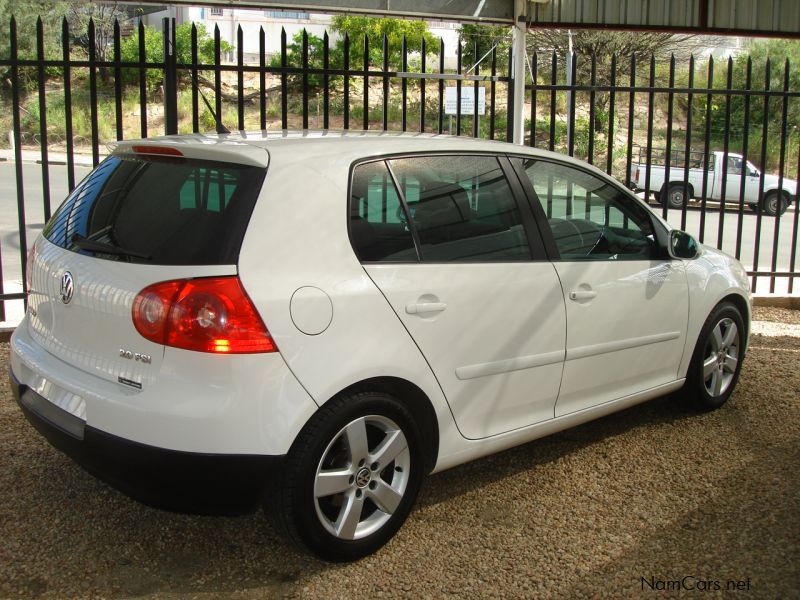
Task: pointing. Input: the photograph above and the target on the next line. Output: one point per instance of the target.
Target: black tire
(709, 388)
(310, 521)
(676, 195)
(775, 204)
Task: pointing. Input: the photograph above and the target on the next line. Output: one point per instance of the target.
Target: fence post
(170, 78)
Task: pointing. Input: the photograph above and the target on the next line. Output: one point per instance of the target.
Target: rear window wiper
(85, 243)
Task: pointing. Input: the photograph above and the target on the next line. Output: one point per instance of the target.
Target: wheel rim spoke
(716, 383)
(391, 446)
(716, 337)
(730, 363)
(730, 334)
(709, 366)
(356, 439)
(385, 497)
(332, 482)
(349, 517)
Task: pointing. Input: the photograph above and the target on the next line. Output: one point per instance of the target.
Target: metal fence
(601, 117)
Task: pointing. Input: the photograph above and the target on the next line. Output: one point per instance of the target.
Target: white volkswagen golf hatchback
(319, 320)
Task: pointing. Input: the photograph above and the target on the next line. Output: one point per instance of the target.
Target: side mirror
(682, 245)
(753, 173)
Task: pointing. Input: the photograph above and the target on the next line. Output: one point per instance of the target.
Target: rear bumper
(174, 480)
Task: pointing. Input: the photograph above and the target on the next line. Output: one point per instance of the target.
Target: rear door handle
(578, 295)
(419, 308)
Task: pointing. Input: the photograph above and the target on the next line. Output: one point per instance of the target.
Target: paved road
(34, 208)
(34, 217)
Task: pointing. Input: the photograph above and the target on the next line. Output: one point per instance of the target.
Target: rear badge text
(138, 357)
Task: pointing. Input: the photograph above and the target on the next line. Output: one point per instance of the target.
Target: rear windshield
(159, 211)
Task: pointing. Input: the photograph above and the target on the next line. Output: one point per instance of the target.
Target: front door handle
(420, 308)
(579, 295)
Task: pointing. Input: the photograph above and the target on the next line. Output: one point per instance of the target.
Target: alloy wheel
(362, 477)
(721, 357)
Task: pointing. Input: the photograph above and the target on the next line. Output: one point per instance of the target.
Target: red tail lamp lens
(211, 314)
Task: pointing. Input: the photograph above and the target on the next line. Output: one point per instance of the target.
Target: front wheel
(717, 359)
(351, 477)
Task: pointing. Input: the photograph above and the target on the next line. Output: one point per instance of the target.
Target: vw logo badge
(67, 287)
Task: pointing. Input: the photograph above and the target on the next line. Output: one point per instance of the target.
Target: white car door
(455, 257)
(627, 309)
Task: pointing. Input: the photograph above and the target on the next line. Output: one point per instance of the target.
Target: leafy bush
(154, 51)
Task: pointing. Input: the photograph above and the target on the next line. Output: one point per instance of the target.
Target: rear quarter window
(159, 211)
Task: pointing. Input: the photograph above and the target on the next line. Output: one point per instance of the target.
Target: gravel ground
(653, 493)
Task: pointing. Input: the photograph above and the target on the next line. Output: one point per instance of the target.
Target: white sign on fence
(467, 100)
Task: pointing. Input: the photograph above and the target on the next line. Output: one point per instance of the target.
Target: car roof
(327, 148)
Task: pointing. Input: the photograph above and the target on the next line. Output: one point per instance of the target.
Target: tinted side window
(159, 211)
(590, 219)
(379, 229)
(462, 208)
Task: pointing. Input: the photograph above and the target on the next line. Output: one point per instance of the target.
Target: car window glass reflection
(462, 208)
(590, 219)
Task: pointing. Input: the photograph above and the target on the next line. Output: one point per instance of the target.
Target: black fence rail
(705, 207)
(601, 111)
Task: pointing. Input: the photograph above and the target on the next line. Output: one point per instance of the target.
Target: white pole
(518, 71)
(569, 83)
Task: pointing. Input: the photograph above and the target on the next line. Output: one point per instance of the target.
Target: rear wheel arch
(417, 402)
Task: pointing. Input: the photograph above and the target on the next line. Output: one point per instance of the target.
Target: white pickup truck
(686, 184)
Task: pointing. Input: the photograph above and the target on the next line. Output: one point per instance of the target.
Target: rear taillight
(212, 314)
(29, 268)
(636, 175)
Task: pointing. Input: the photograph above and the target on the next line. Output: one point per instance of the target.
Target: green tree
(26, 12)
(375, 29)
(603, 45)
(104, 15)
(777, 51)
(154, 50)
(486, 37)
(316, 48)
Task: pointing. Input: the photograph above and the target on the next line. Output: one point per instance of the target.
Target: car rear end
(141, 354)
